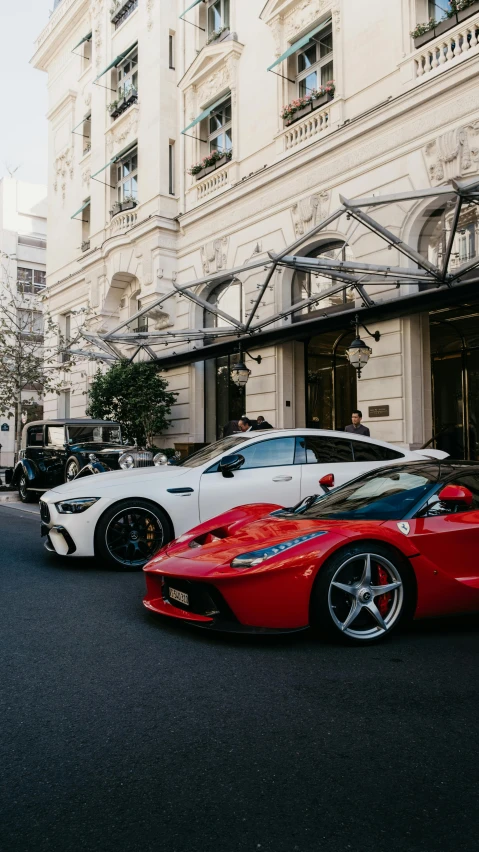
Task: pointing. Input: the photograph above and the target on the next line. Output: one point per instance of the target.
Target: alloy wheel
(366, 596)
(22, 487)
(72, 470)
(133, 536)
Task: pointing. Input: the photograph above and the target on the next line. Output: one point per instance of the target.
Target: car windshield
(210, 452)
(94, 434)
(384, 495)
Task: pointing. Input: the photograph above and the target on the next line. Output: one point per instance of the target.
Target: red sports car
(397, 542)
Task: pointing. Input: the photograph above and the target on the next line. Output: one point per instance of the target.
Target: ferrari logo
(404, 527)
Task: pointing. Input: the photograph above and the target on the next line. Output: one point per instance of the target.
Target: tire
(130, 533)
(25, 495)
(363, 615)
(72, 468)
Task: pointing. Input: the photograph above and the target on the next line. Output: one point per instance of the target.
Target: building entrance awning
(376, 291)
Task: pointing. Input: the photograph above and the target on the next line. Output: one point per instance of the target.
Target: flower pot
(208, 169)
(466, 13)
(419, 41)
(319, 102)
(445, 25)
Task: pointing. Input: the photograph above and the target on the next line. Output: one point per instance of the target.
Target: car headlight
(75, 506)
(256, 557)
(160, 459)
(126, 461)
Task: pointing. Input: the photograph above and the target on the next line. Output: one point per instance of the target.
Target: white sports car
(125, 517)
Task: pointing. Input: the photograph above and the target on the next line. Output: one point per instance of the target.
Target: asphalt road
(120, 732)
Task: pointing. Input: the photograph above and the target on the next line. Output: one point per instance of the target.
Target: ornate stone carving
(96, 10)
(149, 13)
(307, 12)
(63, 170)
(309, 212)
(190, 103)
(453, 154)
(277, 33)
(86, 175)
(214, 255)
(214, 84)
(118, 135)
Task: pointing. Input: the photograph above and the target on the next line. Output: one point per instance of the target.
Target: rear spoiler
(432, 454)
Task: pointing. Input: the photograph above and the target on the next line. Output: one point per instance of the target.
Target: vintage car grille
(143, 459)
(44, 512)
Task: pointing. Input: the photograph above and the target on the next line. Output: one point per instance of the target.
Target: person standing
(245, 424)
(231, 428)
(356, 427)
(261, 423)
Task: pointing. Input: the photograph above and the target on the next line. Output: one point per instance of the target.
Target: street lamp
(359, 352)
(240, 372)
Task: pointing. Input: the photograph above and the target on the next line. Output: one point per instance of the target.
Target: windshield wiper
(300, 507)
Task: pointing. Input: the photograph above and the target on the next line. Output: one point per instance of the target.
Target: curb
(11, 497)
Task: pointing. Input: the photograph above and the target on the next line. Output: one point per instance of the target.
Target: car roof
(72, 421)
(261, 433)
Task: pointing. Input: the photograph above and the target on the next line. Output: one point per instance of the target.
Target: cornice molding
(207, 63)
(63, 21)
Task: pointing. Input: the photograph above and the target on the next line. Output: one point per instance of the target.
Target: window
(121, 10)
(127, 177)
(315, 63)
(439, 221)
(86, 53)
(171, 168)
(307, 285)
(218, 15)
(127, 77)
(435, 507)
(35, 436)
(68, 333)
(436, 10)
(65, 403)
(56, 436)
(171, 51)
(30, 280)
(219, 128)
(273, 453)
(467, 243)
(141, 324)
(94, 434)
(364, 452)
(324, 450)
(230, 299)
(30, 322)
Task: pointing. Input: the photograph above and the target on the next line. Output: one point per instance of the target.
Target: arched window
(307, 285)
(436, 231)
(224, 401)
(229, 298)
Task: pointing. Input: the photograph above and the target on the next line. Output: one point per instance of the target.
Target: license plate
(181, 597)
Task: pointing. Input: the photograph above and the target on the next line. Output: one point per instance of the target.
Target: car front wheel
(25, 495)
(362, 594)
(130, 533)
(72, 469)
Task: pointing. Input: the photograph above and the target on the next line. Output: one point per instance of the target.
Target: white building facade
(23, 244)
(139, 96)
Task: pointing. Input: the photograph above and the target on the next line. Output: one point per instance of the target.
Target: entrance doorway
(224, 401)
(330, 381)
(455, 380)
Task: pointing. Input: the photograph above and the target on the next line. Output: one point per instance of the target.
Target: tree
(135, 395)
(30, 346)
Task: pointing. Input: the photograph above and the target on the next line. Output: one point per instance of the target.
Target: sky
(23, 126)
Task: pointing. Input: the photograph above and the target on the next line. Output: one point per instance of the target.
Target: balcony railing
(443, 52)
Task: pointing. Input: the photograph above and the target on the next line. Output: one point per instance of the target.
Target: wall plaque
(5, 427)
(378, 411)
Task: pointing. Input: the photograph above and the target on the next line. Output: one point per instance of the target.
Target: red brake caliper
(383, 601)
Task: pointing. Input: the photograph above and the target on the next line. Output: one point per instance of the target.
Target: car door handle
(182, 491)
(282, 478)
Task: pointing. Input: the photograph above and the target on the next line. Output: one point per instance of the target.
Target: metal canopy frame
(347, 276)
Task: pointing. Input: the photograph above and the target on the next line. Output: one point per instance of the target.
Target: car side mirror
(454, 494)
(230, 463)
(326, 482)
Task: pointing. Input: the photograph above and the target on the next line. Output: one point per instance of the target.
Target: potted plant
(213, 160)
(464, 8)
(216, 35)
(127, 203)
(424, 33)
(302, 106)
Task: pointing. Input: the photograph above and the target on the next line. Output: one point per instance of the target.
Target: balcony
(448, 49)
(121, 10)
(117, 108)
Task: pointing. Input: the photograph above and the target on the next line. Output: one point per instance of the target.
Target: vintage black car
(55, 451)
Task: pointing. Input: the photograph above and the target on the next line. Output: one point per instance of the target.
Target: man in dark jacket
(261, 423)
(231, 428)
(356, 427)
